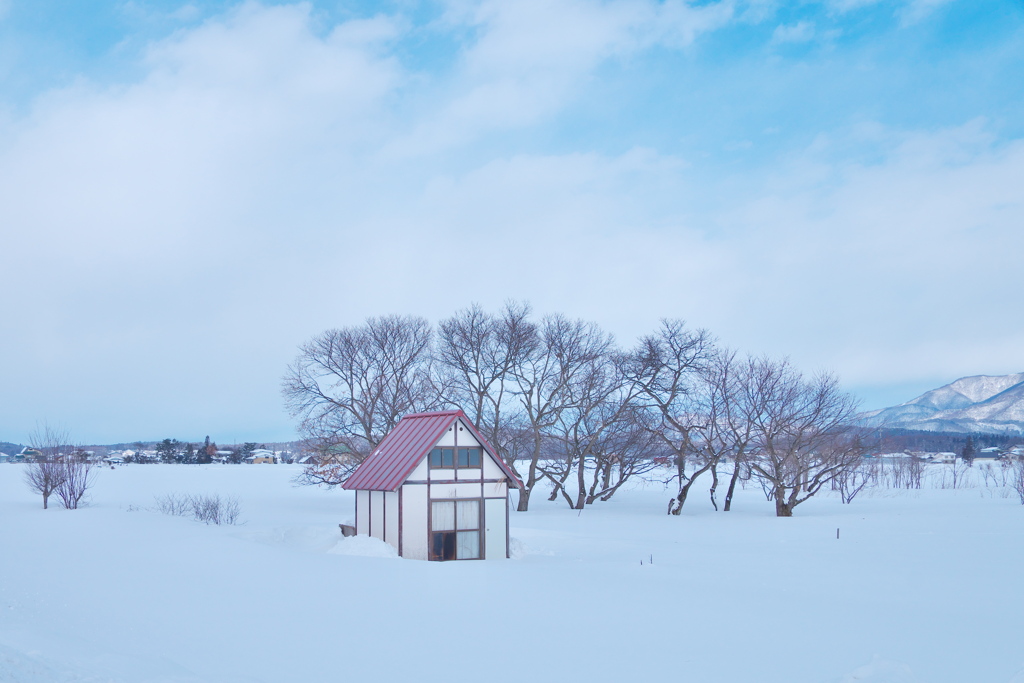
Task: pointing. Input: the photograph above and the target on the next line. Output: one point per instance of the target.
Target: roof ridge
(434, 413)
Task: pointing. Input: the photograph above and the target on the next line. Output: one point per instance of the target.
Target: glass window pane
(442, 545)
(447, 457)
(474, 457)
(463, 457)
(437, 546)
(469, 514)
(449, 546)
(435, 457)
(469, 545)
(442, 515)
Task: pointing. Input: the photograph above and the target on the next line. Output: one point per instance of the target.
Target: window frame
(454, 532)
(456, 453)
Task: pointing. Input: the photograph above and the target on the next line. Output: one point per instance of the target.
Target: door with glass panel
(455, 529)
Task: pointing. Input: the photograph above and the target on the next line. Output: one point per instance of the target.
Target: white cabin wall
(448, 438)
(466, 438)
(377, 514)
(469, 475)
(495, 489)
(445, 491)
(414, 521)
(491, 469)
(496, 525)
(421, 472)
(391, 518)
(442, 475)
(363, 512)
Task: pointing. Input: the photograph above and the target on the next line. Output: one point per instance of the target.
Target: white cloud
(529, 58)
(909, 11)
(800, 32)
(888, 270)
(916, 11)
(169, 242)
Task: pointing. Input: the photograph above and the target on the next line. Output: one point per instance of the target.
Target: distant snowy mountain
(970, 404)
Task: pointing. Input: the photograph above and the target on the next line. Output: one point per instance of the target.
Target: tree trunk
(782, 507)
(675, 505)
(524, 500)
(732, 488)
(46, 496)
(581, 481)
(531, 479)
(714, 485)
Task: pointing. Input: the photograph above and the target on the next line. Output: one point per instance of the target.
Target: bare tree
(475, 355)
(79, 477)
(734, 425)
(667, 370)
(599, 406)
(626, 449)
(1017, 479)
(351, 386)
(46, 472)
(60, 469)
(560, 352)
(959, 471)
(802, 433)
(43, 477)
(852, 481)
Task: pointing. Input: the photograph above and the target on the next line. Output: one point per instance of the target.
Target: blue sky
(190, 190)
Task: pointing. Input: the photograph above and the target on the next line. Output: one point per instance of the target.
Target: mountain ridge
(980, 403)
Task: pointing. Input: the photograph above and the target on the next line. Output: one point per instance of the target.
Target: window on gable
(450, 458)
(442, 458)
(469, 457)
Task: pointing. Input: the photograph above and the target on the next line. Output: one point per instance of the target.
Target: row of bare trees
(570, 411)
(60, 469)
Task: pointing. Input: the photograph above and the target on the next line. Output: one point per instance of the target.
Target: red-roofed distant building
(435, 490)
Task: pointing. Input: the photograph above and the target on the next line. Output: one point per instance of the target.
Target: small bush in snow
(206, 509)
(173, 504)
(1017, 480)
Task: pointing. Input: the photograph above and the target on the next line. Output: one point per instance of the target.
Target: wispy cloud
(800, 32)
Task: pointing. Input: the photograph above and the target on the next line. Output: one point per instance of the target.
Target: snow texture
(921, 587)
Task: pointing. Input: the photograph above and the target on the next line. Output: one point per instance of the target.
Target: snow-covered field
(922, 586)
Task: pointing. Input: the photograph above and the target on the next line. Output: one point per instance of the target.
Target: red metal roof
(406, 445)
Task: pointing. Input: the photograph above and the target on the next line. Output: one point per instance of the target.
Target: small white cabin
(435, 490)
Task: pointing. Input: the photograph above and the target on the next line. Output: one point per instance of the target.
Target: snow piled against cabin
(921, 587)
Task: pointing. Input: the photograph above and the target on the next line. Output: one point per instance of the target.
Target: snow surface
(921, 587)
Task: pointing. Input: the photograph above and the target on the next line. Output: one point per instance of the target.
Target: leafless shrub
(852, 481)
(1017, 479)
(988, 474)
(957, 474)
(174, 504)
(43, 477)
(79, 477)
(214, 509)
(60, 468)
(207, 509)
(915, 469)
